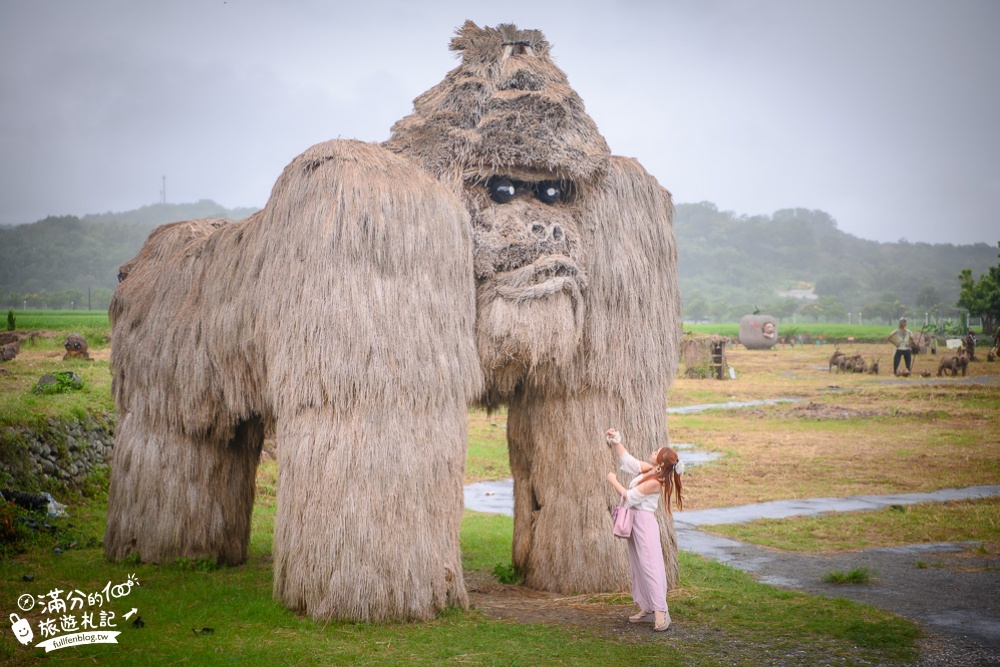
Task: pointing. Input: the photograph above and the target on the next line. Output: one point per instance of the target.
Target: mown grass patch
(486, 456)
(61, 320)
(19, 406)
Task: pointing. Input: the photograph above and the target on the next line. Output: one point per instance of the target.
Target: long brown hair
(666, 474)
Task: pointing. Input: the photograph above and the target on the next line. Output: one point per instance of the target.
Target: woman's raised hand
(612, 436)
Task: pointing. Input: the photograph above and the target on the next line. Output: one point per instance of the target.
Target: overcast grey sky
(883, 113)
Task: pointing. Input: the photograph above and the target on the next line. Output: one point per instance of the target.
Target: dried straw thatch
(294, 317)
(619, 375)
(507, 87)
(578, 304)
(758, 332)
(361, 311)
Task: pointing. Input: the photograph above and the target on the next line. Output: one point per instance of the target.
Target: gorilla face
(527, 261)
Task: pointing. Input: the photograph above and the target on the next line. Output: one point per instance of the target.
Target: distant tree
(982, 298)
(785, 308)
(884, 311)
(37, 300)
(56, 301)
(813, 310)
(75, 299)
(832, 309)
(929, 299)
(100, 298)
(718, 311)
(696, 310)
(735, 313)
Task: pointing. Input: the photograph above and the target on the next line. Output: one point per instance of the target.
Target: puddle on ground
(780, 509)
(497, 496)
(968, 622)
(692, 409)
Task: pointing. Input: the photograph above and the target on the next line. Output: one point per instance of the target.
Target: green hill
(728, 263)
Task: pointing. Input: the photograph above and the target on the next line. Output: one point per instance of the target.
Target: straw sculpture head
(491, 251)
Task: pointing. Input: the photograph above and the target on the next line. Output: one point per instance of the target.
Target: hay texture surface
(578, 316)
(491, 251)
(342, 314)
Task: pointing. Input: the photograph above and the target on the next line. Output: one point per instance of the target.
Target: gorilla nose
(542, 232)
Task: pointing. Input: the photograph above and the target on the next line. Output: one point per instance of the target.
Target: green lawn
(722, 616)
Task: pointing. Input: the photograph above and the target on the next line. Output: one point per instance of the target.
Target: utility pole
(163, 192)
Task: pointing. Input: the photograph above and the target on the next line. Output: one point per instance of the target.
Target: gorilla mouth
(546, 275)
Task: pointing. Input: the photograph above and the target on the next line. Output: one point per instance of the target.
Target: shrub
(58, 383)
(507, 573)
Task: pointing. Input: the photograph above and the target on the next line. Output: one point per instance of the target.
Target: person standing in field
(902, 338)
(660, 475)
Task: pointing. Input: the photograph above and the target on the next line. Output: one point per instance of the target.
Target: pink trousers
(645, 562)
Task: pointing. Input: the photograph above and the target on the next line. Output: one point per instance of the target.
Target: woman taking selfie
(660, 475)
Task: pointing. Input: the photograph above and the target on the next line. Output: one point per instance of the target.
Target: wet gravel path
(951, 589)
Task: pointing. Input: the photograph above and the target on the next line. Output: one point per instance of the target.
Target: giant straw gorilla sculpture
(492, 251)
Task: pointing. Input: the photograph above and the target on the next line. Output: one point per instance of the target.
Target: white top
(634, 498)
(902, 339)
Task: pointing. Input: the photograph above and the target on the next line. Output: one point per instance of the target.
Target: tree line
(729, 265)
(732, 265)
(66, 262)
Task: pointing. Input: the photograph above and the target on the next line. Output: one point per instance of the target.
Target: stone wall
(64, 451)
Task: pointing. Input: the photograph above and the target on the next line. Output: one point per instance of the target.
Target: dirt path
(953, 587)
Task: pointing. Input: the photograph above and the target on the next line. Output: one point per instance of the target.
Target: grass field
(845, 434)
(729, 618)
(829, 332)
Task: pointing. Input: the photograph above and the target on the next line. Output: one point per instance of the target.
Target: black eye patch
(503, 189)
(549, 191)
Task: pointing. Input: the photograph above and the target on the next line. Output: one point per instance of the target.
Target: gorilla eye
(549, 191)
(501, 190)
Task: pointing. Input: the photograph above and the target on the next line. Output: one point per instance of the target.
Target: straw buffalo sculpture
(491, 252)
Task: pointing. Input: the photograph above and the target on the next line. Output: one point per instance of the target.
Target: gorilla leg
(562, 500)
(174, 496)
(369, 512)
